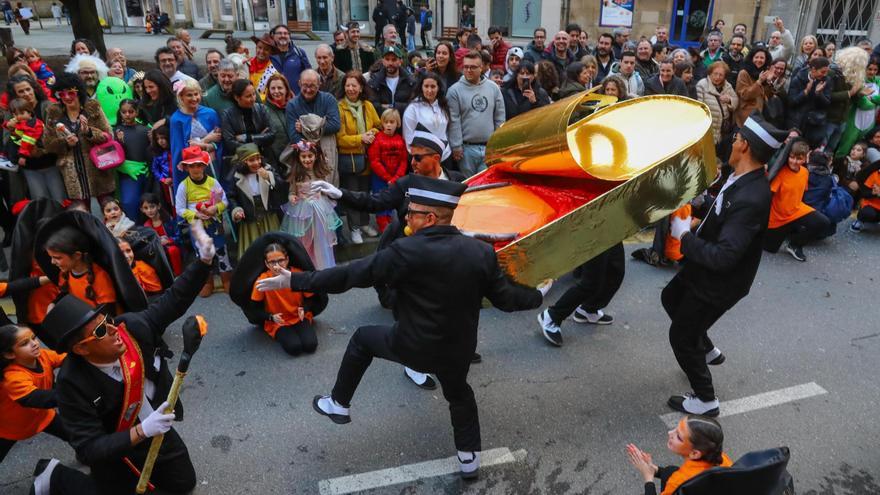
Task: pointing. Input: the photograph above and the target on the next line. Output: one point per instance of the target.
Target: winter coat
(234, 126)
(347, 139)
(85, 181)
(499, 55)
(567, 89)
(278, 124)
(807, 109)
(709, 94)
(291, 64)
(752, 96)
(515, 103)
(676, 86)
(532, 54)
(380, 93)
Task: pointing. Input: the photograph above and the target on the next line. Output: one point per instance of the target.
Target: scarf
(121, 227)
(357, 108)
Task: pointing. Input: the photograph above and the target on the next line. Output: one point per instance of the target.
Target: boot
(208, 288)
(225, 277)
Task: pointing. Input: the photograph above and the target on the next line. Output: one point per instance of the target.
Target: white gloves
(158, 423)
(545, 286)
(204, 243)
(326, 188)
(280, 281)
(679, 226)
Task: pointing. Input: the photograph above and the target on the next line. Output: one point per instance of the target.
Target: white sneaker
(551, 330)
(356, 237)
(598, 318)
(369, 230)
(326, 406)
(691, 404)
(469, 464)
(43, 476)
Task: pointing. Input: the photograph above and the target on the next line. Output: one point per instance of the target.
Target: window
(360, 10)
(226, 8)
(260, 11)
(178, 7)
(516, 17)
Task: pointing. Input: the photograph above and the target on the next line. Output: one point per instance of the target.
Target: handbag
(726, 121)
(107, 155)
(352, 164)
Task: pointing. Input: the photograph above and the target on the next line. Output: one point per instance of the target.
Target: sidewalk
(139, 47)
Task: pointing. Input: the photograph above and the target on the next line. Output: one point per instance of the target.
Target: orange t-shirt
(672, 250)
(285, 301)
(688, 470)
(103, 286)
(40, 298)
(871, 181)
(788, 197)
(19, 422)
(147, 277)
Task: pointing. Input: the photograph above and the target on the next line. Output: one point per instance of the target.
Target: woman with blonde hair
(861, 75)
(194, 125)
(808, 44)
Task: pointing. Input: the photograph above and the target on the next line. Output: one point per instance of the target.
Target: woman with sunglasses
(72, 127)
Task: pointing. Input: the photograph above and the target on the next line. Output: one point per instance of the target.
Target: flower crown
(304, 145)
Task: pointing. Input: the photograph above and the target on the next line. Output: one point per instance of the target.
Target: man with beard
(604, 56)
(89, 69)
(291, 60)
(219, 97)
(167, 62)
(723, 255)
(498, 48)
(184, 64)
(661, 36)
(355, 55)
(559, 54)
(574, 45)
(212, 60)
(534, 51)
(392, 86)
(331, 77)
(734, 58)
(645, 64)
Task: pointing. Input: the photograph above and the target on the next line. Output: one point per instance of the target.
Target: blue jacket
(324, 105)
(291, 64)
(179, 130)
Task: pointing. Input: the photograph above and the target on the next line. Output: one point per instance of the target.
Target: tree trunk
(85, 23)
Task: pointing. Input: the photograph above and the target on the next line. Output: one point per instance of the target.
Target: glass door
(201, 14)
(690, 21)
(320, 15)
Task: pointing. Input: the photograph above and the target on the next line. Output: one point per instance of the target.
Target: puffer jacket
(709, 94)
(232, 125)
(347, 139)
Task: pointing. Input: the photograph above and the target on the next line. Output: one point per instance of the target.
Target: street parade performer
(722, 259)
(111, 390)
(440, 277)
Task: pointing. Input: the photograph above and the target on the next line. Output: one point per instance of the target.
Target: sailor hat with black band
(762, 135)
(434, 192)
(427, 139)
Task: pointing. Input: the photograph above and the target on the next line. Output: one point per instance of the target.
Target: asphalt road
(250, 427)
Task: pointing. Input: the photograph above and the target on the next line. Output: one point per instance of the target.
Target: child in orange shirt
(80, 276)
(285, 317)
(869, 191)
(697, 439)
(27, 400)
(144, 273)
(790, 217)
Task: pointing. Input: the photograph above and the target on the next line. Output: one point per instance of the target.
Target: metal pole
(39, 19)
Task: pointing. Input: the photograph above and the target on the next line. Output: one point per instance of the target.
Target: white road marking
(759, 401)
(412, 472)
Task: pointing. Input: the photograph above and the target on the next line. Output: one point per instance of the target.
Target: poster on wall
(525, 17)
(616, 13)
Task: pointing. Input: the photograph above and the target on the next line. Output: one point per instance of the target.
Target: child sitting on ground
(25, 130)
(145, 274)
(697, 439)
(79, 275)
(114, 218)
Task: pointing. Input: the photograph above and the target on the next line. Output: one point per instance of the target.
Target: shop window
(516, 17)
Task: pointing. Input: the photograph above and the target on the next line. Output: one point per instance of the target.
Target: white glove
(680, 226)
(326, 188)
(545, 286)
(280, 281)
(158, 423)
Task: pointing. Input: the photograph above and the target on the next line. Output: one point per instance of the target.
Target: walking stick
(194, 328)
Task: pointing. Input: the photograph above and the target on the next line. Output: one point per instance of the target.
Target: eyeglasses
(67, 93)
(278, 262)
(410, 212)
(472, 67)
(100, 331)
(418, 157)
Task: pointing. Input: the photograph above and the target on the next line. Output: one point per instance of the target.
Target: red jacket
(387, 157)
(499, 55)
(25, 136)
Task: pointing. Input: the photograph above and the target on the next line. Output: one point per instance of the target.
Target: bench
(449, 33)
(304, 28)
(210, 32)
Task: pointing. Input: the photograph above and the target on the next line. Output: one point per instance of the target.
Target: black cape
(104, 250)
(756, 473)
(147, 247)
(252, 264)
(23, 237)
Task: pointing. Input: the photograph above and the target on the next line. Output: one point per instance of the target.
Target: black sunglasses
(418, 157)
(410, 211)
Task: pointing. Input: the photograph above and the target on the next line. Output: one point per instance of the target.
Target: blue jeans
(410, 42)
(130, 191)
(473, 160)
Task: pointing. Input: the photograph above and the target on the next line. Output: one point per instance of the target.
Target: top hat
(65, 319)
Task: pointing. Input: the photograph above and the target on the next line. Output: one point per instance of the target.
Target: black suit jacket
(440, 277)
(90, 402)
(723, 256)
(653, 86)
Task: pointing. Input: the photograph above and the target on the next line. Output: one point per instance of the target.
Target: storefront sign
(616, 13)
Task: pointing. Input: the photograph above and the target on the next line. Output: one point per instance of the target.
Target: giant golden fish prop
(569, 180)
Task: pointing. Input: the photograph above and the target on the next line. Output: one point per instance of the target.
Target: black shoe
(428, 384)
(646, 255)
(549, 329)
(339, 419)
(796, 252)
(718, 360)
(43, 476)
(476, 358)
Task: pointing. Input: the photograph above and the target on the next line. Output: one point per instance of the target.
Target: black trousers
(298, 339)
(804, 230)
(688, 334)
(361, 183)
(598, 280)
(375, 341)
(55, 428)
(868, 214)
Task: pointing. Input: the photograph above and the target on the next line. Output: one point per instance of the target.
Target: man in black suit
(722, 256)
(426, 149)
(109, 423)
(441, 277)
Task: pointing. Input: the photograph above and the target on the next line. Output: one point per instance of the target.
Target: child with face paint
(698, 440)
(80, 276)
(143, 273)
(27, 400)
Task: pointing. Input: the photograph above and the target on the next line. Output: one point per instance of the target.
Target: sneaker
(796, 252)
(856, 226)
(356, 237)
(469, 465)
(714, 357)
(422, 380)
(551, 330)
(326, 406)
(369, 230)
(691, 404)
(42, 476)
(598, 318)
